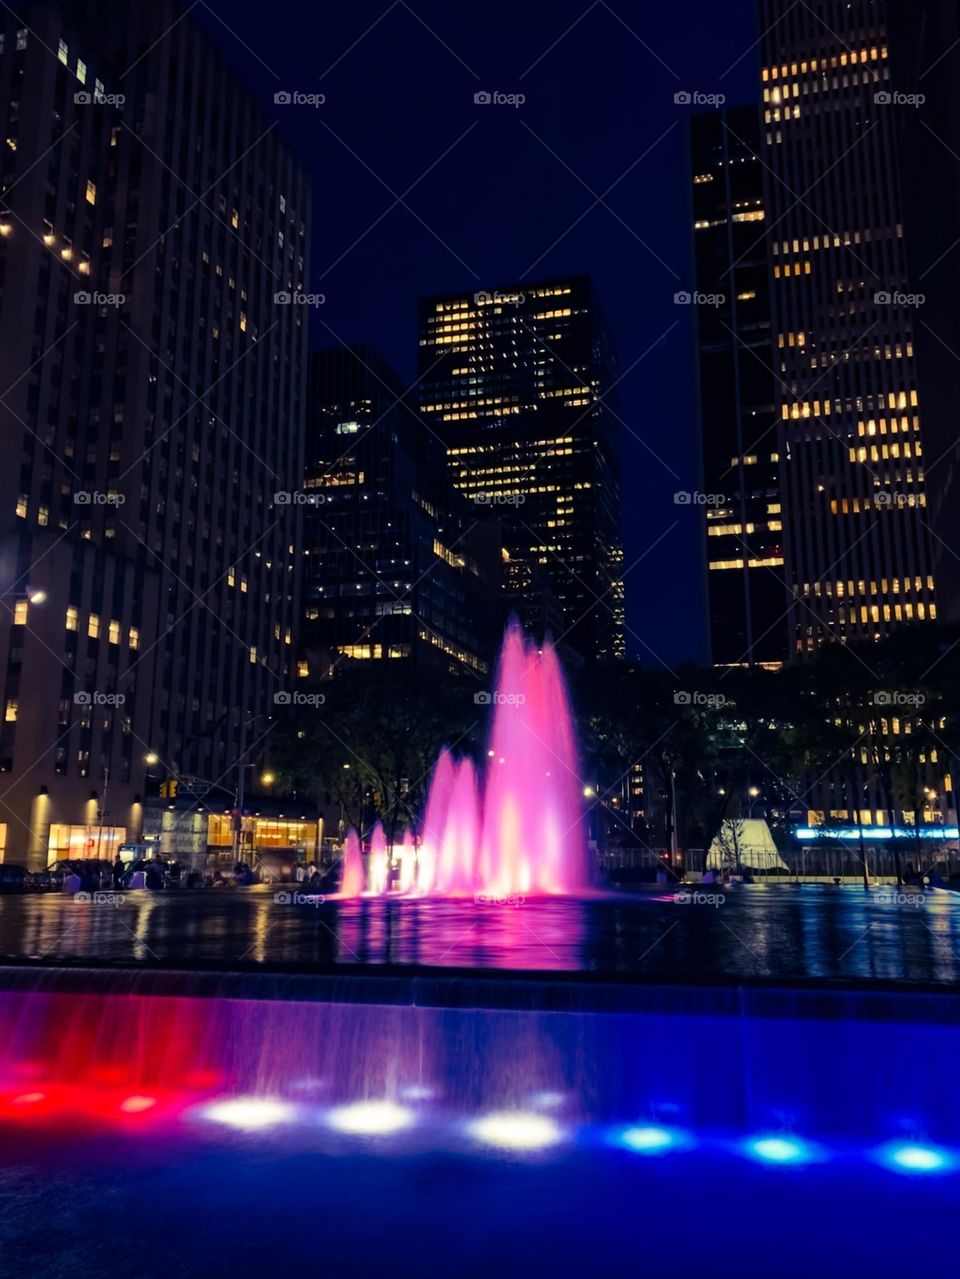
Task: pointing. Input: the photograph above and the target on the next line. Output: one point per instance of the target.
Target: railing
(792, 865)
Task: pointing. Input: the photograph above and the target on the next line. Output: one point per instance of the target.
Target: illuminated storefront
(263, 833)
(76, 842)
(191, 833)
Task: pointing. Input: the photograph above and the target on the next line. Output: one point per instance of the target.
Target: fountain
(514, 829)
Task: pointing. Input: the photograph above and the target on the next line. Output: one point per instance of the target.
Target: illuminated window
(20, 613)
(91, 192)
(93, 626)
(72, 618)
(10, 711)
(113, 632)
(134, 637)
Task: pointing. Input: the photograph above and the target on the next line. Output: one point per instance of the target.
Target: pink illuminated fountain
(514, 829)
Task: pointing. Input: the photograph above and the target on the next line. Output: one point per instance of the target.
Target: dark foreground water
(783, 933)
(389, 1088)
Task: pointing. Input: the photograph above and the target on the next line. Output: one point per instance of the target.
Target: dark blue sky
(502, 193)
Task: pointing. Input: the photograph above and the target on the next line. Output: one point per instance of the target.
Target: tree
(371, 743)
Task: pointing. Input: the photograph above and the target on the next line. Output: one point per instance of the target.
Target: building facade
(851, 443)
(152, 397)
(396, 563)
(925, 67)
(738, 393)
(513, 382)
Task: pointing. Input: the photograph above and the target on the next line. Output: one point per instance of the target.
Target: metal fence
(794, 865)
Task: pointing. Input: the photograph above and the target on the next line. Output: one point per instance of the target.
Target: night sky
(501, 195)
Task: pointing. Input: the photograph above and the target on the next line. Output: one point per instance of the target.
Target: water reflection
(785, 932)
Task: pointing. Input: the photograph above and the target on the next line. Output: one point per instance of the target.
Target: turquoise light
(648, 1139)
(779, 1150)
(913, 1158)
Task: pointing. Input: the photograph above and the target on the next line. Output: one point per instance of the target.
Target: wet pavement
(783, 932)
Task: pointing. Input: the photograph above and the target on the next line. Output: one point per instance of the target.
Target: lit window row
(885, 586)
(791, 269)
(882, 501)
(881, 452)
(852, 57)
(891, 426)
(114, 630)
(771, 562)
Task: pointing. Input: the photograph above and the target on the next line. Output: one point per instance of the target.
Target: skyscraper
(513, 381)
(397, 564)
(738, 393)
(925, 66)
(154, 232)
(851, 446)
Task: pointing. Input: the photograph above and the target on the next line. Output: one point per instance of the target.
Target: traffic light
(168, 789)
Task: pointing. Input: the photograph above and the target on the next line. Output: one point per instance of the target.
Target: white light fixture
(370, 1118)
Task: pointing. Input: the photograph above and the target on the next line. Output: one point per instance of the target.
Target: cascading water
(515, 829)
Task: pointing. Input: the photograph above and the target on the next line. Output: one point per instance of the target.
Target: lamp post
(103, 806)
(241, 776)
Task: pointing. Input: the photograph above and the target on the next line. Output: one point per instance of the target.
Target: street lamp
(36, 597)
(267, 779)
(151, 758)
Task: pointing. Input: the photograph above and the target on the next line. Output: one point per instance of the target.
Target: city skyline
(499, 196)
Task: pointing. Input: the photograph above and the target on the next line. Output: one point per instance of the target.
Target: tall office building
(397, 564)
(738, 393)
(151, 404)
(925, 70)
(851, 446)
(514, 383)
